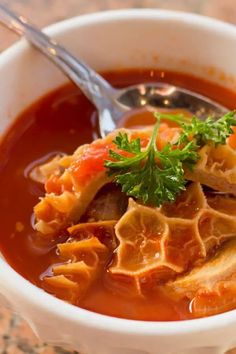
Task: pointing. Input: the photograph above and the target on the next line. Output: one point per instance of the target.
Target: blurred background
(44, 12)
(16, 337)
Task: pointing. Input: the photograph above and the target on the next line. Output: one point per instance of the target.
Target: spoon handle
(91, 83)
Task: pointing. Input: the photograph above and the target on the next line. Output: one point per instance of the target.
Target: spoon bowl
(161, 95)
(110, 102)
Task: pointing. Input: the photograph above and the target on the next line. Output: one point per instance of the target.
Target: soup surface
(59, 123)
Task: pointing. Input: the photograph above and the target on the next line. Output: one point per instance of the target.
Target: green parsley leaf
(151, 176)
(203, 132)
(123, 143)
(154, 176)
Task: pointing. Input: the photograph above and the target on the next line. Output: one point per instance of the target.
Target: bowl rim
(34, 295)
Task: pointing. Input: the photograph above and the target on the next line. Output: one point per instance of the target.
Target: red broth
(61, 121)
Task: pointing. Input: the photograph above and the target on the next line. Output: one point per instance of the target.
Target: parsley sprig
(202, 131)
(156, 176)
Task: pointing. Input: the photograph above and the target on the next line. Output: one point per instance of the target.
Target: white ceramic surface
(112, 40)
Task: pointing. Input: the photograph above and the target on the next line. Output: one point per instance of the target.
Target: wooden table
(15, 335)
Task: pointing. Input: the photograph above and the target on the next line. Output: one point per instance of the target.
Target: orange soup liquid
(61, 121)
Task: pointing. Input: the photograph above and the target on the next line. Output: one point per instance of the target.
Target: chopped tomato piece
(53, 185)
(90, 163)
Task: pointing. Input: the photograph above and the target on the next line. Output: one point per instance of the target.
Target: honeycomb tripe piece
(81, 263)
(41, 172)
(72, 187)
(103, 230)
(211, 287)
(62, 287)
(159, 243)
(216, 168)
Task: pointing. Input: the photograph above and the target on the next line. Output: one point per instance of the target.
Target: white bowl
(112, 40)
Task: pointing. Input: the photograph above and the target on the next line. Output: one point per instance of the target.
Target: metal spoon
(110, 102)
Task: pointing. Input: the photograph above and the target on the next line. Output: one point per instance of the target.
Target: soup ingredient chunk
(72, 187)
(212, 286)
(81, 260)
(216, 168)
(162, 242)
